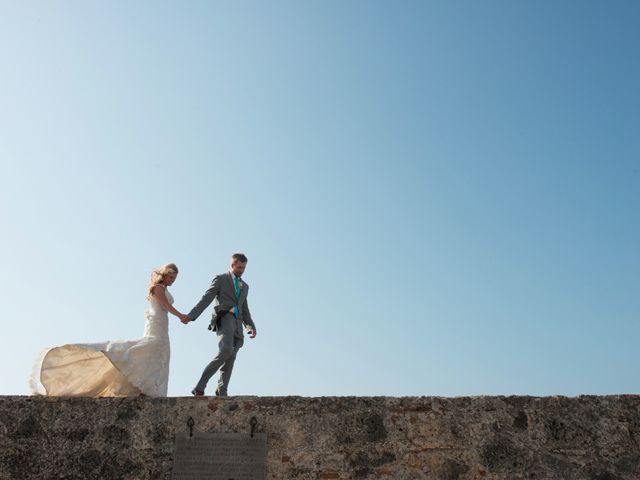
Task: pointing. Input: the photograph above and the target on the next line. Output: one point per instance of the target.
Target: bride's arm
(159, 293)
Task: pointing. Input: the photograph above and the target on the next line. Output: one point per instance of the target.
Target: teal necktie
(236, 282)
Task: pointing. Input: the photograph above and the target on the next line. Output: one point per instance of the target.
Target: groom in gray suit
(231, 311)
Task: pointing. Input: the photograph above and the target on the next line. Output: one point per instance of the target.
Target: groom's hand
(253, 332)
(186, 319)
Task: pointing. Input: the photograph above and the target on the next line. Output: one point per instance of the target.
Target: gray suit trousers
(230, 339)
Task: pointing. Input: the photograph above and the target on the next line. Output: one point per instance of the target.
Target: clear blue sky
(436, 198)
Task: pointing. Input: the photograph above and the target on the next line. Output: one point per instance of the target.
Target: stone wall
(589, 437)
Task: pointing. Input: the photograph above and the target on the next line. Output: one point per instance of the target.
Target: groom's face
(238, 267)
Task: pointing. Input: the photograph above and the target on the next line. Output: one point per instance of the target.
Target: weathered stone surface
(586, 438)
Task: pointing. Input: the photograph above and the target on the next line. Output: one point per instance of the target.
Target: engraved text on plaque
(220, 456)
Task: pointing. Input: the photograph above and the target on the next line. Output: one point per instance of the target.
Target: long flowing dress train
(112, 368)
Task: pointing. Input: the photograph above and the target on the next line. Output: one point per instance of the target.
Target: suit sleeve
(246, 314)
(207, 298)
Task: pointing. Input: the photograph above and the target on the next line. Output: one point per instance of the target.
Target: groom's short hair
(239, 257)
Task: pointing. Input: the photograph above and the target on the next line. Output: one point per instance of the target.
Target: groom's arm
(207, 298)
(246, 318)
(246, 315)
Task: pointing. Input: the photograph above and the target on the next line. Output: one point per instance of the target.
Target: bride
(116, 368)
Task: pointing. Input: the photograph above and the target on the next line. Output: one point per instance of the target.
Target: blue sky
(436, 198)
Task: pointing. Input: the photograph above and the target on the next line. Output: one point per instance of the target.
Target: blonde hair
(157, 276)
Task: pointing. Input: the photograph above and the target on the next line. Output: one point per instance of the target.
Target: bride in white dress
(116, 368)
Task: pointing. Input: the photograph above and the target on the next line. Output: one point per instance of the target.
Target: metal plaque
(220, 456)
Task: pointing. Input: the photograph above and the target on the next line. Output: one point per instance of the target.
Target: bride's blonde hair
(157, 276)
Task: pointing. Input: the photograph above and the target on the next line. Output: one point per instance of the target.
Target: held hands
(185, 318)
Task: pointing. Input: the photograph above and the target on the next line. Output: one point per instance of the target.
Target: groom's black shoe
(197, 393)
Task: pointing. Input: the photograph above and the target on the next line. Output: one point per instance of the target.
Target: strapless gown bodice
(157, 319)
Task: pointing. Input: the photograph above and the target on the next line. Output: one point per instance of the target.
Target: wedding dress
(110, 369)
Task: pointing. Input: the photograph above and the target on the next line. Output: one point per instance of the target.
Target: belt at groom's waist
(217, 318)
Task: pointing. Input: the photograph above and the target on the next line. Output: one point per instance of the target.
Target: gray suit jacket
(223, 292)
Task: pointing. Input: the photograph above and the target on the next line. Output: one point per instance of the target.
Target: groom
(231, 312)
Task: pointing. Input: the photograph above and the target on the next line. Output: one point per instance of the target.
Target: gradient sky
(436, 198)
